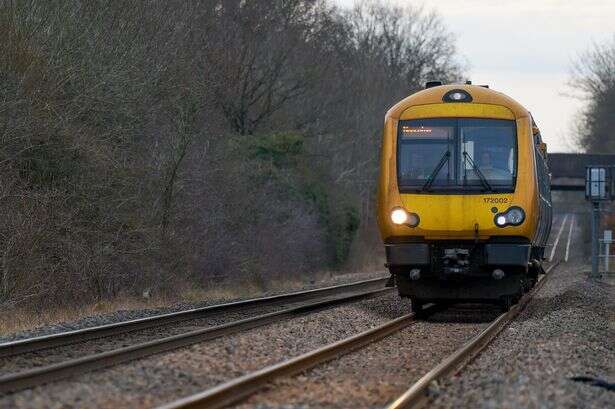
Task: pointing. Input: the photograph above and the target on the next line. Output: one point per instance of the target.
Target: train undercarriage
(496, 272)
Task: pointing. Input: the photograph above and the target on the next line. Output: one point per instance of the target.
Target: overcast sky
(524, 48)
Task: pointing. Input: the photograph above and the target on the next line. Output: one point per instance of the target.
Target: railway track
(418, 393)
(302, 302)
(237, 389)
(240, 388)
(72, 337)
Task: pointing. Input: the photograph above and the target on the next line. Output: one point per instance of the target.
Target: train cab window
(457, 154)
(488, 152)
(426, 150)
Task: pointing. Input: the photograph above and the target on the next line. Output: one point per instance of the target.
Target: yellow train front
(464, 204)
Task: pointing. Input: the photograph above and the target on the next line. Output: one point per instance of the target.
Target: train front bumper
(452, 270)
(471, 258)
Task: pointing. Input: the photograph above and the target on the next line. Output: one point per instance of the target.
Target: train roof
(479, 94)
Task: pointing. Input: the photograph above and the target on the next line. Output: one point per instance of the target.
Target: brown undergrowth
(21, 319)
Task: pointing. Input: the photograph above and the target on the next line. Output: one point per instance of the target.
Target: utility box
(608, 240)
(599, 183)
(599, 187)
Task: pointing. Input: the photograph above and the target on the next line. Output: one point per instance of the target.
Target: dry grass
(16, 320)
(22, 319)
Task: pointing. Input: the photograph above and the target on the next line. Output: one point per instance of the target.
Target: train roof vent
(431, 84)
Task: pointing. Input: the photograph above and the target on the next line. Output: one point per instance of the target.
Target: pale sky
(525, 48)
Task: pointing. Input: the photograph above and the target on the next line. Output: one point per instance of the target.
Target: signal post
(599, 188)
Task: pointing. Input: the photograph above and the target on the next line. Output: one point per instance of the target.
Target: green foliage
(343, 231)
(280, 159)
(281, 149)
(338, 216)
(46, 164)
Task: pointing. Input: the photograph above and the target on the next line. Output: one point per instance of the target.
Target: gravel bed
(166, 377)
(35, 359)
(125, 315)
(382, 371)
(567, 331)
(378, 373)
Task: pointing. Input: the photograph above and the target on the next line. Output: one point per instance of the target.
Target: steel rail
(71, 337)
(418, 394)
(53, 372)
(239, 388)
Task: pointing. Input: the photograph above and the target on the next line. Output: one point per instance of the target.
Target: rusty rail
(71, 337)
(239, 388)
(418, 394)
(50, 373)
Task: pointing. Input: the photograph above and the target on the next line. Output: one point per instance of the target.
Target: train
(464, 199)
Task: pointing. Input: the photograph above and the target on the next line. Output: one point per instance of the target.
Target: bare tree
(256, 58)
(594, 76)
(132, 139)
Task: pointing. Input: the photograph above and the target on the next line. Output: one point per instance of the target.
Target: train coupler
(456, 261)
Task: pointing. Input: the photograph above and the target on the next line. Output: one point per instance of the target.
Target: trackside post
(598, 188)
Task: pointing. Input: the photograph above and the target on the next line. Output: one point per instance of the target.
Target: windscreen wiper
(482, 177)
(435, 172)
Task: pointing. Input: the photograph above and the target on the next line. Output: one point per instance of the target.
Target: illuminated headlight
(457, 96)
(400, 216)
(514, 216)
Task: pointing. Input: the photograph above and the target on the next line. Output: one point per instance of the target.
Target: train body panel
(449, 224)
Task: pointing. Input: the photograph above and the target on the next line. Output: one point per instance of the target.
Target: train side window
(541, 170)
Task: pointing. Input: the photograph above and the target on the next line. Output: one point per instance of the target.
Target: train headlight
(413, 220)
(399, 216)
(457, 95)
(514, 216)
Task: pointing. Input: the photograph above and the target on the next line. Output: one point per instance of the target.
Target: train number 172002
(495, 200)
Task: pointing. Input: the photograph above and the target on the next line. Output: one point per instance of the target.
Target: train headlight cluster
(514, 216)
(400, 216)
(457, 95)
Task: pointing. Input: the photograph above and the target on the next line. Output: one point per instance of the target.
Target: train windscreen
(444, 154)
